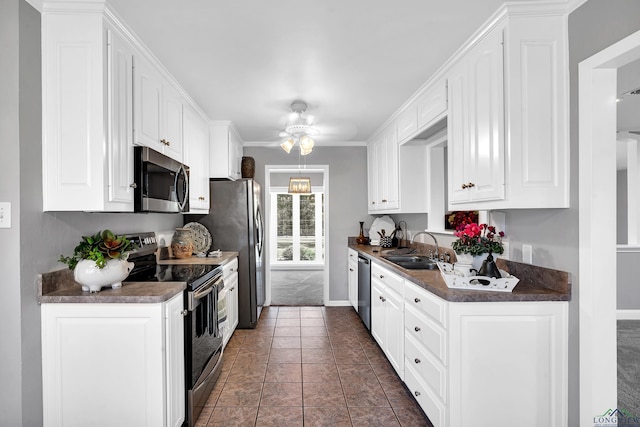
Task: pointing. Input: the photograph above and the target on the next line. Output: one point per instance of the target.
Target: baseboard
(338, 303)
(628, 314)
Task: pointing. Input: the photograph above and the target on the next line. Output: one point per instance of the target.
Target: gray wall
(36, 239)
(347, 199)
(621, 208)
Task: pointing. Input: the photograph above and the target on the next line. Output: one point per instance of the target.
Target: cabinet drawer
(426, 303)
(392, 280)
(427, 400)
(427, 333)
(230, 268)
(430, 371)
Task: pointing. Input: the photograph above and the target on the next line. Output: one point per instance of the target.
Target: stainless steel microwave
(161, 183)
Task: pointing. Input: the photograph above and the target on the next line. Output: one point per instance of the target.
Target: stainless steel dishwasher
(364, 290)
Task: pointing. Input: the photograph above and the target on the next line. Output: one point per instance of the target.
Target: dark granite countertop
(60, 287)
(535, 283)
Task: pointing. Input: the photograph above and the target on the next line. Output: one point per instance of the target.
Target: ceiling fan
(298, 129)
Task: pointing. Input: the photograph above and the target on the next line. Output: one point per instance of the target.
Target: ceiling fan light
(288, 144)
(304, 151)
(306, 143)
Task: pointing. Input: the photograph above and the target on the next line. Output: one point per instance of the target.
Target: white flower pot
(93, 279)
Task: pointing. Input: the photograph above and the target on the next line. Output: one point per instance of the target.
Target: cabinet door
(171, 136)
(458, 131)
(147, 88)
(486, 119)
(126, 342)
(432, 105)
(232, 303)
(352, 275)
(174, 348)
(390, 172)
(235, 155)
(120, 112)
(196, 156)
(372, 175)
(378, 317)
(394, 331)
(407, 123)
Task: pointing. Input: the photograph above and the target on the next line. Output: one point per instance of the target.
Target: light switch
(5, 215)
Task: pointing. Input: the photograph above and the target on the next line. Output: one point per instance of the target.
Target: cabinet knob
(417, 393)
(184, 312)
(416, 360)
(133, 185)
(416, 299)
(383, 299)
(381, 276)
(350, 269)
(469, 185)
(384, 200)
(417, 329)
(201, 198)
(163, 141)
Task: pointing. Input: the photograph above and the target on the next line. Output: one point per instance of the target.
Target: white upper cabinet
(431, 105)
(87, 115)
(158, 108)
(508, 117)
(476, 127)
(225, 151)
(102, 93)
(382, 156)
(196, 156)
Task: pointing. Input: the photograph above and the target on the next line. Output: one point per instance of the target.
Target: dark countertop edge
(129, 293)
(432, 281)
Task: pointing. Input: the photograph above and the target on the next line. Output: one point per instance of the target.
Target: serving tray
(456, 280)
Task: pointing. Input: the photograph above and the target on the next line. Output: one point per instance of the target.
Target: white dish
(201, 237)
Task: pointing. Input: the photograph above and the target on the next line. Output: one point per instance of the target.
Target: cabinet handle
(416, 299)
(133, 185)
(469, 185)
(384, 200)
(417, 360)
(201, 198)
(417, 393)
(163, 141)
(417, 329)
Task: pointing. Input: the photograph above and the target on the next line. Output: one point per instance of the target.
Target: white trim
(337, 303)
(628, 315)
(324, 169)
(597, 250)
(621, 249)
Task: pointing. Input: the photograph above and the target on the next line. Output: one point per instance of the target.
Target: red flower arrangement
(476, 239)
(455, 219)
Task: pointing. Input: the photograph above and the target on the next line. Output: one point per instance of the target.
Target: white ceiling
(354, 62)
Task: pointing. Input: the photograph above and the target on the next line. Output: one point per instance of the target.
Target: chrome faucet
(434, 241)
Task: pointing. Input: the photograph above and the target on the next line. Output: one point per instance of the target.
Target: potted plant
(477, 239)
(100, 260)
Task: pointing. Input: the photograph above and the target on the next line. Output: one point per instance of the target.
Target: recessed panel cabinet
(113, 364)
(382, 171)
(508, 117)
(352, 276)
(226, 151)
(87, 115)
(196, 156)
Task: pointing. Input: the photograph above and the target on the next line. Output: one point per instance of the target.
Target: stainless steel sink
(412, 262)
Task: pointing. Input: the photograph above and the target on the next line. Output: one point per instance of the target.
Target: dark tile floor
(311, 366)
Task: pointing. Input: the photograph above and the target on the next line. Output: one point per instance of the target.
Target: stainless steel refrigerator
(235, 223)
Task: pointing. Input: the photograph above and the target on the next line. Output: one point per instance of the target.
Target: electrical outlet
(5, 215)
(527, 254)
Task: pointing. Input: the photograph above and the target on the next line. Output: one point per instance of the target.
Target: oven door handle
(206, 289)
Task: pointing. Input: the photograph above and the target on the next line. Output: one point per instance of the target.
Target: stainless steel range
(202, 332)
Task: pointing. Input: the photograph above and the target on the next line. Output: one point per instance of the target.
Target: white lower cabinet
(230, 276)
(352, 277)
(486, 363)
(113, 364)
(387, 320)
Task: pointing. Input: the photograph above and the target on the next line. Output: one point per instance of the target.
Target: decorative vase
(248, 167)
(489, 268)
(182, 243)
(93, 279)
(361, 239)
